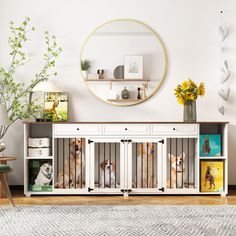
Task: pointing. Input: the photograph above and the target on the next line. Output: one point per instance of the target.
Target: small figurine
(139, 94)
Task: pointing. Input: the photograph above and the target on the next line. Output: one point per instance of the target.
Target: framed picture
(133, 67)
(210, 145)
(56, 106)
(40, 175)
(212, 176)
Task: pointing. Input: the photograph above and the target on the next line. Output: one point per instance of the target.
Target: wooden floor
(20, 199)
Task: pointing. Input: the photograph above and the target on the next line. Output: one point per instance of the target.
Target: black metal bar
(136, 153)
(188, 161)
(109, 146)
(170, 140)
(69, 162)
(81, 163)
(194, 162)
(147, 163)
(63, 159)
(182, 151)
(153, 156)
(176, 153)
(75, 162)
(115, 165)
(98, 165)
(141, 165)
(104, 157)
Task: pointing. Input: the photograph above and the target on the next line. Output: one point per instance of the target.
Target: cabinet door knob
(77, 128)
(126, 129)
(174, 129)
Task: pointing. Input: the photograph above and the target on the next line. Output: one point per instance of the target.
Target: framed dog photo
(133, 67)
(212, 176)
(210, 145)
(56, 106)
(40, 175)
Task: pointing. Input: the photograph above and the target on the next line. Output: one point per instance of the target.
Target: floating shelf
(118, 80)
(213, 158)
(34, 158)
(124, 100)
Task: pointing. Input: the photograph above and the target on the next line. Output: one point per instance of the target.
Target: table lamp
(4, 120)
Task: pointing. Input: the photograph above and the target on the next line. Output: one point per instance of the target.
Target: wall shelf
(124, 100)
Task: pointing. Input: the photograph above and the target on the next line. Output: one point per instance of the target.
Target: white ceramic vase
(85, 74)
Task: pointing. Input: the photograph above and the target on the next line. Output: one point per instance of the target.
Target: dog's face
(76, 146)
(177, 163)
(46, 169)
(107, 165)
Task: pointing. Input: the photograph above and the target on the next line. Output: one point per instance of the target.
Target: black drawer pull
(126, 129)
(77, 128)
(174, 129)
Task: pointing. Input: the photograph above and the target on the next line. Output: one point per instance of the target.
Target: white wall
(188, 28)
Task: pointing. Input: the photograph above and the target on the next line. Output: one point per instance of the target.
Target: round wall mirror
(124, 62)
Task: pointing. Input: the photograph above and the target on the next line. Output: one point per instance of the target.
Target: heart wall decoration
(224, 93)
(221, 110)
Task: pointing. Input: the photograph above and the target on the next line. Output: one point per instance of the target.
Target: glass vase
(190, 114)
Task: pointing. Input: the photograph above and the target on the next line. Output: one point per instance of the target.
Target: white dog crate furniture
(129, 157)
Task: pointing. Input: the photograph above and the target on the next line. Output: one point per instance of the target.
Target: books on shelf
(210, 145)
(40, 175)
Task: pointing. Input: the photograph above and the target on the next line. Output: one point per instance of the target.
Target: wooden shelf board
(124, 100)
(34, 158)
(212, 158)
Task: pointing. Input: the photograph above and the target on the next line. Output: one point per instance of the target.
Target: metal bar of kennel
(170, 160)
(176, 153)
(182, 150)
(75, 163)
(104, 158)
(69, 162)
(153, 165)
(99, 165)
(136, 153)
(63, 161)
(81, 163)
(109, 146)
(115, 165)
(147, 163)
(188, 161)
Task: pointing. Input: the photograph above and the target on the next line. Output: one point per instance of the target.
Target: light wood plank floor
(20, 199)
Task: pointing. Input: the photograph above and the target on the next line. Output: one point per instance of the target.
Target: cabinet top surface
(128, 122)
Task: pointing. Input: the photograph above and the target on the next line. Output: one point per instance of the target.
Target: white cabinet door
(144, 165)
(107, 165)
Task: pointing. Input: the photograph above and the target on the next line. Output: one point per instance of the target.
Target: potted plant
(15, 94)
(85, 66)
(187, 94)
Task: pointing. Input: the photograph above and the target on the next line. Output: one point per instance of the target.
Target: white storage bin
(38, 152)
(38, 142)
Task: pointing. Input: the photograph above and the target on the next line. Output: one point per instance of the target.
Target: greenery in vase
(85, 65)
(16, 94)
(189, 91)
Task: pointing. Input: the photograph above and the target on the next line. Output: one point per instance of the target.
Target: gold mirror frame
(161, 44)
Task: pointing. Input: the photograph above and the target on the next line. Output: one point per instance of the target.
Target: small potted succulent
(85, 66)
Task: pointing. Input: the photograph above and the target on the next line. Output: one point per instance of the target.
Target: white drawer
(76, 129)
(126, 129)
(175, 129)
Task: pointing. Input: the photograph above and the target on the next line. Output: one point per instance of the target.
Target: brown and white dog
(107, 174)
(145, 164)
(73, 165)
(177, 170)
(209, 177)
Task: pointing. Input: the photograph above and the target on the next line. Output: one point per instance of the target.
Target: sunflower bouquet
(189, 91)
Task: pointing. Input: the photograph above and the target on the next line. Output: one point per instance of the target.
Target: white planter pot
(85, 74)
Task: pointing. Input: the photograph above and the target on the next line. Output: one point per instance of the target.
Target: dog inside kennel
(69, 163)
(181, 163)
(107, 165)
(144, 165)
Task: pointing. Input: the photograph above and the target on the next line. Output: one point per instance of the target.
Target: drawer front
(76, 129)
(126, 129)
(175, 129)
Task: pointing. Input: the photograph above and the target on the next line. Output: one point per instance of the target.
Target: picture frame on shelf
(133, 67)
(56, 106)
(210, 145)
(212, 175)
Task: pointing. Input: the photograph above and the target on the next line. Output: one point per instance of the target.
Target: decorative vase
(125, 93)
(2, 148)
(139, 95)
(190, 114)
(85, 74)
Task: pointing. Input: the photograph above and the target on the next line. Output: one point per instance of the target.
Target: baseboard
(21, 187)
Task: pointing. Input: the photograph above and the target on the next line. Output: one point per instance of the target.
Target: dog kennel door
(107, 165)
(144, 165)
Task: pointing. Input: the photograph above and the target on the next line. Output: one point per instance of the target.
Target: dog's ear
(102, 165)
(182, 155)
(171, 157)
